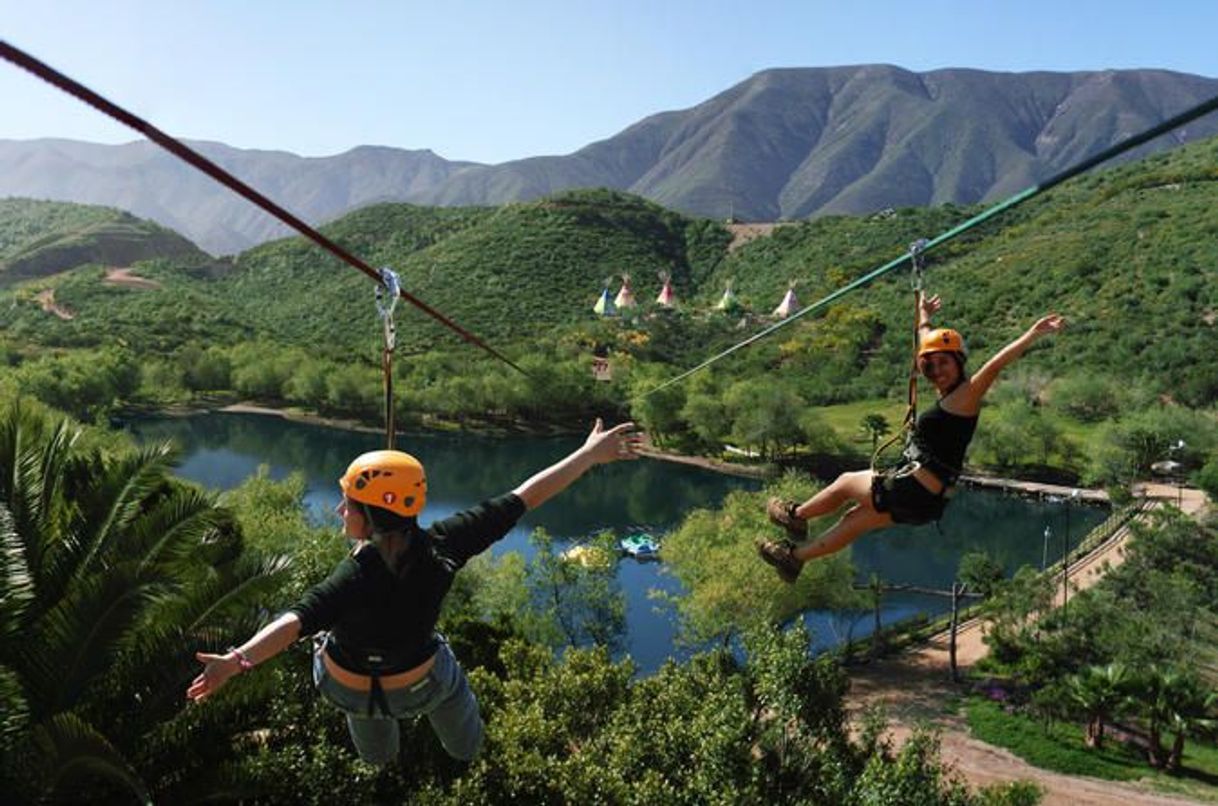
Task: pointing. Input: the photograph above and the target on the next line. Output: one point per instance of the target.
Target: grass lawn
(846, 418)
(1060, 748)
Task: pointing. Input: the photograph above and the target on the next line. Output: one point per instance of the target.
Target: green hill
(1129, 255)
(41, 238)
(508, 273)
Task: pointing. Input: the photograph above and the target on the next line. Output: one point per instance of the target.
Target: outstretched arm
(927, 307)
(266, 644)
(981, 381)
(601, 447)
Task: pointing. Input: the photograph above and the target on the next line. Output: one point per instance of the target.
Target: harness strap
(376, 696)
(917, 260)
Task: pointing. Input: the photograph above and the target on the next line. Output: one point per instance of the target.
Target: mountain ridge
(784, 143)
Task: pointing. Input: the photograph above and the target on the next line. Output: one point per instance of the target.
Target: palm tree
(875, 426)
(1099, 692)
(1176, 701)
(111, 575)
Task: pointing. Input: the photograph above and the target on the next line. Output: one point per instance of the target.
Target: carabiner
(387, 295)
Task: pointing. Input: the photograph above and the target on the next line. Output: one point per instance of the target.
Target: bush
(1207, 478)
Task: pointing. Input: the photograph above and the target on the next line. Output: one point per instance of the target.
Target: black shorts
(905, 499)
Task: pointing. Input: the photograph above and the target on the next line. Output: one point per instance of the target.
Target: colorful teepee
(604, 305)
(666, 299)
(728, 302)
(789, 304)
(625, 297)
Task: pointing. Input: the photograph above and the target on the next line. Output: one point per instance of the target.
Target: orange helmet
(942, 340)
(390, 480)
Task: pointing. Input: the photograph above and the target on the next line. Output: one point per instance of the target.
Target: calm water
(221, 450)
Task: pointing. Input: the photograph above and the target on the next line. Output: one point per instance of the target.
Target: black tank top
(941, 440)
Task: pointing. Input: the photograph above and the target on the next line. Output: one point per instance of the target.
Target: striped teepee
(604, 304)
(666, 299)
(625, 296)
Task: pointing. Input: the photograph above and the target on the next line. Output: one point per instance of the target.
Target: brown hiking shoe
(782, 513)
(779, 553)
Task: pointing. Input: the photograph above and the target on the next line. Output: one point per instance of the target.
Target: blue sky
(493, 81)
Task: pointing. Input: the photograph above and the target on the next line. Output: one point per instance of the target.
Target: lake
(221, 450)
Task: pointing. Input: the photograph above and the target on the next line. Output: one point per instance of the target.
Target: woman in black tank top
(916, 492)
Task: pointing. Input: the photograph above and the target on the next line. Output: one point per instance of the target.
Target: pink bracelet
(245, 663)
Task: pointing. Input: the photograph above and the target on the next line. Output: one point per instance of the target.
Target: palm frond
(78, 754)
(16, 582)
(252, 579)
(14, 709)
(172, 531)
(117, 497)
(31, 475)
(159, 656)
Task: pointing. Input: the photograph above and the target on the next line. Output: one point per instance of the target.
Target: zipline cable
(185, 153)
(1132, 142)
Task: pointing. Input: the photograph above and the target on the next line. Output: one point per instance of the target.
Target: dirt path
(124, 277)
(46, 299)
(743, 233)
(914, 688)
(718, 466)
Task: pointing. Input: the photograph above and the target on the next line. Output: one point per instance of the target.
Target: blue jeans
(443, 695)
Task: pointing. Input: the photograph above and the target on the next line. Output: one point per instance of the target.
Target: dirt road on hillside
(915, 688)
(46, 299)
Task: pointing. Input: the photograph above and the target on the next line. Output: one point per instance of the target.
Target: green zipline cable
(985, 215)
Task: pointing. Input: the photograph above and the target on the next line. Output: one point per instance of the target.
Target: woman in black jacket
(382, 659)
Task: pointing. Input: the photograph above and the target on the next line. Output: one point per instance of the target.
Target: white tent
(625, 297)
(789, 304)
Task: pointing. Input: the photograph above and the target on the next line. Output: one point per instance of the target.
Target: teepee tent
(728, 302)
(666, 299)
(625, 297)
(604, 305)
(789, 304)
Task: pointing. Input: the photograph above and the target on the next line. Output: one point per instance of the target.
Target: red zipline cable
(183, 152)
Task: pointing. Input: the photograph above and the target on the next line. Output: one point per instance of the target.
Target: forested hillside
(41, 238)
(1129, 256)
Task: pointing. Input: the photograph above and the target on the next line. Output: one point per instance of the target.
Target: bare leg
(854, 486)
(787, 558)
(854, 524)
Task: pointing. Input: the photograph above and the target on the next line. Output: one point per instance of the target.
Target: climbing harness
(183, 152)
(387, 295)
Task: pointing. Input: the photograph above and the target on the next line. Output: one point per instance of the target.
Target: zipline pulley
(387, 295)
(917, 260)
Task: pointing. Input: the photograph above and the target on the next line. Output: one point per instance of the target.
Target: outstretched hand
(217, 669)
(614, 444)
(930, 306)
(1045, 325)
